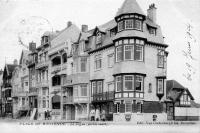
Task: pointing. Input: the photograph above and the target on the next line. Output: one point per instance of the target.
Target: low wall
(139, 117)
(187, 114)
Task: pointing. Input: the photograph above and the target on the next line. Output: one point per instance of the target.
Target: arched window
(56, 80)
(56, 61)
(64, 57)
(56, 102)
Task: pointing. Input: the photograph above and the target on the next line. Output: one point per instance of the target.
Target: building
(42, 74)
(182, 106)
(7, 89)
(128, 65)
(60, 70)
(20, 87)
(33, 91)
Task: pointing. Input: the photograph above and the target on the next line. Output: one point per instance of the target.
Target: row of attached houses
(119, 67)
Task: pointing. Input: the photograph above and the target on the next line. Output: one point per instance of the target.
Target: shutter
(134, 107)
(114, 108)
(122, 108)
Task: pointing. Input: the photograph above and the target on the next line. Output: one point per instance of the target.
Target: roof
(174, 90)
(9, 68)
(129, 6)
(24, 54)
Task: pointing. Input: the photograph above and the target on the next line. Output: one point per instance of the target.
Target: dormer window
(152, 30)
(98, 39)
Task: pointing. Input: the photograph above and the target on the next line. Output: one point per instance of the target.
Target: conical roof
(130, 6)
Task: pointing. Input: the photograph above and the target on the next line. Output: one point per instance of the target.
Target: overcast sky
(28, 19)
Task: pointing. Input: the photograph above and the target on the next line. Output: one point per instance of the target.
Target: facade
(20, 87)
(6, 91)
(128, 65)
(60, 70)
(33, 91)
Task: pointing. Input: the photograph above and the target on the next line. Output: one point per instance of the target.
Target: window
(128, 82)
(26, 83)
(138, 24)
(150, 88)
(83, 90)
(43, 91)
(139, 107)
(98, 38)
(119, 54)
(75, 90)
(99, 87)
(110, 60)
(152, 31)
(56, 61)
(83, 64)
(161, 58)
(128, 52)
(94, 90)
(160, 86)
(44, 103)
(139, 83)
(120, 25)
(185, 99)
(138, 52)
(64, 56)
(118, 83)
(56, 80)
(23, 101)
(98, 62)
(129, 24)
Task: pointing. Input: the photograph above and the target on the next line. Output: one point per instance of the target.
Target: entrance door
(170, 112)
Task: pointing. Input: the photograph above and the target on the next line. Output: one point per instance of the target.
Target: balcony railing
(56, 68)
(103, 96)
(19, 94)
(42, 64)
(68, 100)
(44, 83)
(24, 107)
(81, 99)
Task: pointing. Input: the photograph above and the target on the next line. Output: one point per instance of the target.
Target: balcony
(24, 107)
(44, 83)
(81, 99)
(105, 96)
(19, 94)
(55, 69)
(68, 100)
(33, 92)
(56, 89)
(42, 64)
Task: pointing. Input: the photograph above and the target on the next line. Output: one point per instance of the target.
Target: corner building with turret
(128, 66)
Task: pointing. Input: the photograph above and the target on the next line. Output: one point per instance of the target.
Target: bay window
(118, 83)
(160, 86)
(129, 49)
(128, 52)
(119, 53)
(129, 24)
(128, 82)
(120, 25)
(138, 83)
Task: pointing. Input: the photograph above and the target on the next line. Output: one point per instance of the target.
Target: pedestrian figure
(97, 114)
(103, 115)
(45, 115)
(92, 114)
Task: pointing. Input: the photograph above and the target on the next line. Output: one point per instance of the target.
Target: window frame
(124, 82)
(161, 53)
(142, 83)
(110, 60)
(116, 83)
(83, 86)
(131, 50)
(119, 55)
(97, 58)
(160, 79)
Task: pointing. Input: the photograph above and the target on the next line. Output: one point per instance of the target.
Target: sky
(28, 19)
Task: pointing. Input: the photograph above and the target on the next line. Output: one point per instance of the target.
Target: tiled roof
(129, 6)
(10, 68)
(174, 90)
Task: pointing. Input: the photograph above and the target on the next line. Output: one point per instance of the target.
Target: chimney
(69, 23)
(15, 62)
(84, 28)
(32, 46)
(151, 12)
